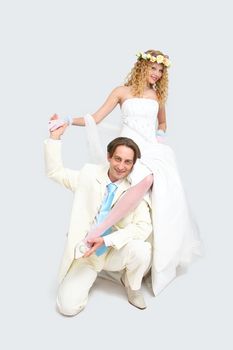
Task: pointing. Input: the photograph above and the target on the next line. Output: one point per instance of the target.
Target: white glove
(57, 123)
(161, 136)
(81, 248)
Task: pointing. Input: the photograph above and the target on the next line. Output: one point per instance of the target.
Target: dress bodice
(140, 114)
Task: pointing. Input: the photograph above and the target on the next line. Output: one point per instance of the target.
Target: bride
(142, 100)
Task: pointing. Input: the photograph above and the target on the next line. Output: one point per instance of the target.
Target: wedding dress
(176, 240)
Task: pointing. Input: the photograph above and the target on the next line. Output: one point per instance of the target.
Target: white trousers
(134, 257)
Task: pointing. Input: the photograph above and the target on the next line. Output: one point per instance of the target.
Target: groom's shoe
(135, 297)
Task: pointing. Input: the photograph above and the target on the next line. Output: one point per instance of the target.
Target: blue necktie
(106, 206)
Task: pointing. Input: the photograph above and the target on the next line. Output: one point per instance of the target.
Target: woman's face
(155, 73)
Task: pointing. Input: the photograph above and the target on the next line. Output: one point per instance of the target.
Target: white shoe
(135, 297)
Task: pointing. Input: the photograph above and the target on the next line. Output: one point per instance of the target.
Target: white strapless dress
(176, 237)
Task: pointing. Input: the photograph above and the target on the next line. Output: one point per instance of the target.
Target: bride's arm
(110, 103)
(162, 125)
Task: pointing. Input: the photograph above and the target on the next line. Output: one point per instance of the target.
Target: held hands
(55, 122)
(95, 244)
(56, 127)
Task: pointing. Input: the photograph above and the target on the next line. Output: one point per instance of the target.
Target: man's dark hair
(124, 141)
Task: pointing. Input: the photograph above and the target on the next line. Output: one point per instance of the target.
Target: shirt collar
(117, 183)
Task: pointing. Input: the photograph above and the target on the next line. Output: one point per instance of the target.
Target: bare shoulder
(123, 92)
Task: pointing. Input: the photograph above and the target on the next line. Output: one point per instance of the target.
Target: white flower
(167, 62)
(159, 59)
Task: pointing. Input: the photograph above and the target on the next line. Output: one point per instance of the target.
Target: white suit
(89, 185)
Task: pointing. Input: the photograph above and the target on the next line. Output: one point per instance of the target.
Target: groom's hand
(56, 134)
(95, 243)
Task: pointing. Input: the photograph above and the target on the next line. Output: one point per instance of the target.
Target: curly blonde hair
(137, 78)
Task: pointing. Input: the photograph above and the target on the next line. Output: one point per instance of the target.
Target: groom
(126, 248)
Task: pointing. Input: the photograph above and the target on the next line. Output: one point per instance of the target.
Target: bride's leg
(127, 203)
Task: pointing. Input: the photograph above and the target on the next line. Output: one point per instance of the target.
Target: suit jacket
(88, 186)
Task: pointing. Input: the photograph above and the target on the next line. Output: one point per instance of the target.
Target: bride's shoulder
(122, 92)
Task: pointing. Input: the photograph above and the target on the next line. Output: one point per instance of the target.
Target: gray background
(65, 57)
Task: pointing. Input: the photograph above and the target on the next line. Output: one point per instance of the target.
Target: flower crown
(152, 58)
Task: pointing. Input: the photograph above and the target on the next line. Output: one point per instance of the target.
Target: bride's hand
(161, 136)
(55, 122)
(55, 116)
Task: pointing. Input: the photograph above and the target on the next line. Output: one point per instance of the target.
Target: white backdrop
(65, 57)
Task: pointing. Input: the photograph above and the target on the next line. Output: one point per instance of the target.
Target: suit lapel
(124, 185)
(102, 180)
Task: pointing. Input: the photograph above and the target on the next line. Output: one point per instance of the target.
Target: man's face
(121, 163)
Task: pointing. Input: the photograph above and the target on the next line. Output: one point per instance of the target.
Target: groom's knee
(140, 250)
(67, 307)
